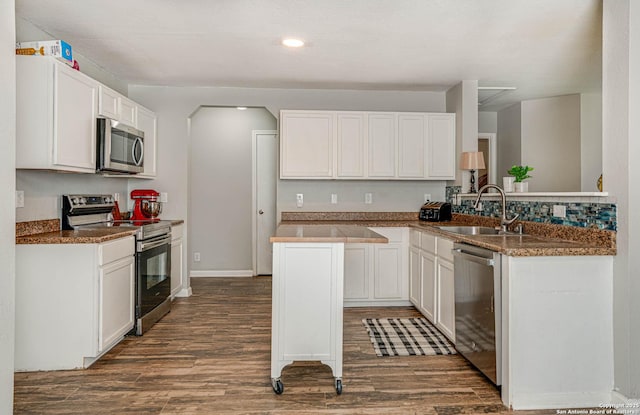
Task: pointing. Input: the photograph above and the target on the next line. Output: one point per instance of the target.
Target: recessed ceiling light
(241, 108)
(293, 43)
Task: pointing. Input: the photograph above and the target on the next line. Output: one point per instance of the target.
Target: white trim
(222, 273)
(493, 156)
(624, 403)
(522, 401)
(185, 292)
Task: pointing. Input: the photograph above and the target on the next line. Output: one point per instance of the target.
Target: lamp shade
(472, 160)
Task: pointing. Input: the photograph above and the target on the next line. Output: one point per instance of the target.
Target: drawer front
(176, 232)
(115, 250)
(428, 242)
(392, 234)
(444, 249)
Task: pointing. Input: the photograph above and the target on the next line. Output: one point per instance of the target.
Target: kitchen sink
(473, 230)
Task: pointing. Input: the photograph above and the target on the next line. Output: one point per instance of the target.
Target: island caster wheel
(339, 386)
(277, 385)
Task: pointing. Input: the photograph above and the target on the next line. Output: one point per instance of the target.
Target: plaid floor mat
(406, 337)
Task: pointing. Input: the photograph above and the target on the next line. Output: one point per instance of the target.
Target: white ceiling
(542, 47)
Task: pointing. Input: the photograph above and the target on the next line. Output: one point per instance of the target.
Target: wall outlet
(427, 197)
(19, 198)
(164, 197)
(196, 257)
(299, 200)
(116, 197)
(559, 211)
(334, 198)
(368, 198)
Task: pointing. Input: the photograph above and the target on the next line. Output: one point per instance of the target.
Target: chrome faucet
(504, 222)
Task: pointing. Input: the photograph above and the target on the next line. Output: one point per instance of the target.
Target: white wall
(26, 31)
(462, 99)
(509, 139)
(220, 186)
(174, 105)
(488, 122)
(621, 129)
(42, 191)
(591, 141)
(7, 205)
(551, 143)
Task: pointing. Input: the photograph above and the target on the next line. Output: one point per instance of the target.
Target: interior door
(266, 146)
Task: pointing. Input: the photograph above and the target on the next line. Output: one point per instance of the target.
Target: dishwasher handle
(477, 259)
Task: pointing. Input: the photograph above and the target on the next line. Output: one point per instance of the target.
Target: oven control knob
(74, 200)
(83, 201)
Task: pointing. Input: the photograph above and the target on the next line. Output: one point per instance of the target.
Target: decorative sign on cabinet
(367, 145)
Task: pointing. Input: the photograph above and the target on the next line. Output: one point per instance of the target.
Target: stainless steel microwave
(120, 148)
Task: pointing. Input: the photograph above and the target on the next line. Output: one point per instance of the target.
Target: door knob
(261, 211)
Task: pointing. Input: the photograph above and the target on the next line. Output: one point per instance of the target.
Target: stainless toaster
(435, 211)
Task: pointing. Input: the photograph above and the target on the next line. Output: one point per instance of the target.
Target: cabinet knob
(261, 211)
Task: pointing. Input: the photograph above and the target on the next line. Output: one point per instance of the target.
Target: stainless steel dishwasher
(477, 279)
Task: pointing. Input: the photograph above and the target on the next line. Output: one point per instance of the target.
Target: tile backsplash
(580, 214)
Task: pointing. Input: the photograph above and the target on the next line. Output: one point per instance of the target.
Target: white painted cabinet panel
(441, 154)
(116, 301)
(307, 144)
(128, 111)
(351, 144)
(148, 123)
(446, 299)
(108, 103)
(382, 145)
(411, 146)
(177, 259)
(357, 259)
(415, 275)
(388, 271)
(428, 281)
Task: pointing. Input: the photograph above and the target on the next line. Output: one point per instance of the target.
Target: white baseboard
(223, 273)
(557, 401)
(625, 405)
(185, 292)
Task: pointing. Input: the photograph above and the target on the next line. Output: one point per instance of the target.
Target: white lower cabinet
(431, 279)
(177, 259)
(377, 274)
(73, 302)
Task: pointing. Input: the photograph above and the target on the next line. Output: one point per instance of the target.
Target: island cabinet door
(356, 271)
(307, 304)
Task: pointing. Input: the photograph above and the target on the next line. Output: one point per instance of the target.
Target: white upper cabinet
(108, 103)
(441, 155)
(307, 144)
(382, 145)
(55, 116)
(360, 145)
(128, 111)
(412, 143)
(148, 123)
(352, 144)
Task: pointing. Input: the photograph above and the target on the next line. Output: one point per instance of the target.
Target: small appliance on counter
(147, 205)
(435, 211)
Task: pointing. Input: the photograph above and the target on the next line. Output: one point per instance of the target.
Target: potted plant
(520, 173)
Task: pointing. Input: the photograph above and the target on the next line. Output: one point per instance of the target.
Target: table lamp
(472, 161)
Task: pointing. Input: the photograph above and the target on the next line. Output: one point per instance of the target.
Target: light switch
(19, 198)
(368, 198)
(299, 200)
(164, 197)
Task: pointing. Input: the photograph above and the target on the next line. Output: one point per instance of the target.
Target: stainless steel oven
(153, 280)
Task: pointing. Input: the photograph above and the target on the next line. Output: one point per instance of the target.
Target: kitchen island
(556, 285)
(307, 299)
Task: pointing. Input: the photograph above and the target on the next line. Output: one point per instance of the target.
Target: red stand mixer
(147, 205)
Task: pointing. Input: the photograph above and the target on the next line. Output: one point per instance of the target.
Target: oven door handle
(477, 259)
(145, 246)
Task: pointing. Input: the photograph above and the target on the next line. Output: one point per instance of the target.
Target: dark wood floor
(211, 355)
